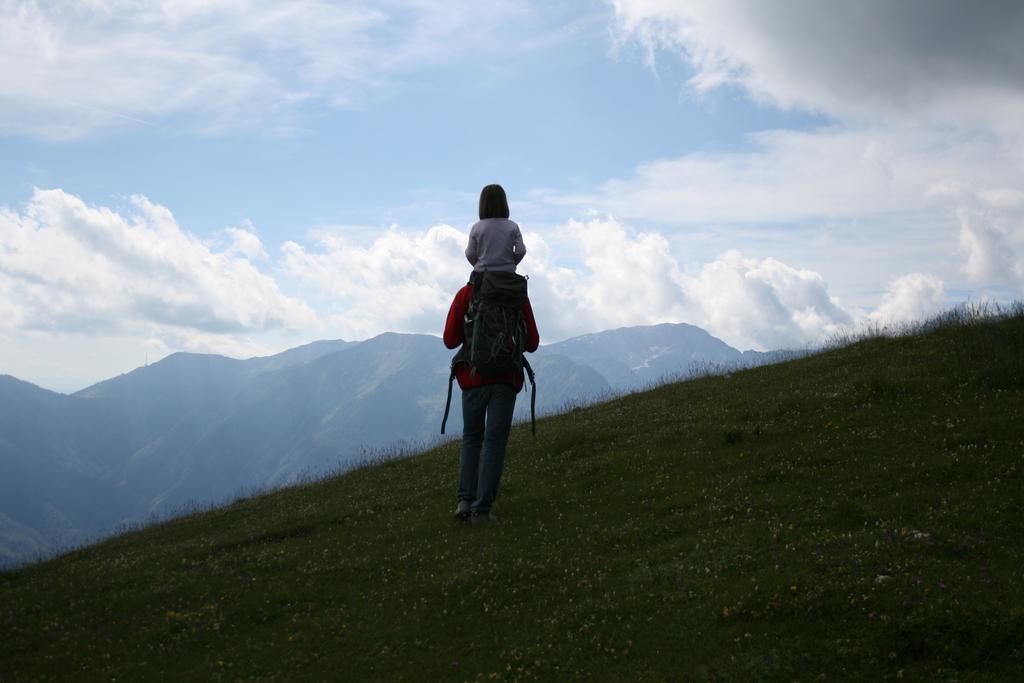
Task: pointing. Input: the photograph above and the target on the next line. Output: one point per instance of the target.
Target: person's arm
(532, 335)
(473, 248)
(518, 247)
(454, 325)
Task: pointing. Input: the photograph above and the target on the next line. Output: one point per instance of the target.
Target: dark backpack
(495, 332)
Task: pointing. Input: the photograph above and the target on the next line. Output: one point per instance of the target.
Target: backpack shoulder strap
(448, 402)
(533, 395)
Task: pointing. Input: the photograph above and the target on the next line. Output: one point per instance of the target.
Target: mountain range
(194, 429)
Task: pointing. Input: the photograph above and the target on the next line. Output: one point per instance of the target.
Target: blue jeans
(487, 420)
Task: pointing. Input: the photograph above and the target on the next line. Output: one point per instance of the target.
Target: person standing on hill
(489, 384)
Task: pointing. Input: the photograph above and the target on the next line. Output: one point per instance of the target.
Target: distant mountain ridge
(196, 428)
(630, 357)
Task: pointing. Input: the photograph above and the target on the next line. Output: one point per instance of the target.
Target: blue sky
(567, 116)
(241, 176)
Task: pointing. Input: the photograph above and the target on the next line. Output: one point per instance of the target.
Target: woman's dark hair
(493, 202)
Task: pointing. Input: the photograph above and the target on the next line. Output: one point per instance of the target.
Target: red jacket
(454, 334)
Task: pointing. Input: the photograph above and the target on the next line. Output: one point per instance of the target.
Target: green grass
(855, 514)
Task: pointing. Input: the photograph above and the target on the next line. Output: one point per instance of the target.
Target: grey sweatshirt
(495, 244)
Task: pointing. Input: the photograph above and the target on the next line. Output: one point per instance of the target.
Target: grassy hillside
(856, 514)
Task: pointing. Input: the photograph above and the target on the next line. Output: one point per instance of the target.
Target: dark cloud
(948, 60)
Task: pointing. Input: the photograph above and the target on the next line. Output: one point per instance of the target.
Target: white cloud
(792, 176)
(916, 296)
(943, 61)
(765, 304)
(861, 206)
(402, 282)
(68, 267)
(245, 242)
(67, 69)
(95, 279)
(922, 168)
(626, 279)
(601, 275)
(990, 258)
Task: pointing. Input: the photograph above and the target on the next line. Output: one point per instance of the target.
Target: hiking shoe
(483, 518)
(463, 511)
